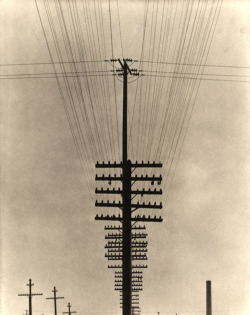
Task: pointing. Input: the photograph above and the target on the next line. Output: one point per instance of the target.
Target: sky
(53, 130)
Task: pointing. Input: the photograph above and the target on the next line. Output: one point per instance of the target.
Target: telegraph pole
(30, 294)
(126, 197)
(54, 298)
(69, 310)
(126, 244)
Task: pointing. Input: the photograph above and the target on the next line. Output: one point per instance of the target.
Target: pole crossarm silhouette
(69, 310)
(55, 298)
(126, 243)
(30, 294)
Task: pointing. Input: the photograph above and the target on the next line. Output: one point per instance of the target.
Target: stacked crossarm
(135, 235)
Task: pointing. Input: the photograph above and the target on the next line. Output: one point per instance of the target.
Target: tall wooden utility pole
(126, 198)
(124, 245)
(54, 298)
(30, 294)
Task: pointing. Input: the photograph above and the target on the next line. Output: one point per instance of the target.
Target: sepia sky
(200, 132)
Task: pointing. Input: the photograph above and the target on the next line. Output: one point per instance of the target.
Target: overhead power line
(49, 63)
(198, 79)
(141, 61)
(52, 76)
(193, 64)
(159, 74)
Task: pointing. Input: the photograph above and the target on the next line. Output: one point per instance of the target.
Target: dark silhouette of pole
(125, 110)
(30, 294)
(55, 298)
(208, 298)
(30, 297)
(123, 245)
(126, 223)
(69, 310)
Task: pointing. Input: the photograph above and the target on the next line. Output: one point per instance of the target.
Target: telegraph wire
(173, 96)
(172, 155)
(68, 88)
(140, 61)
(180, 36)
(181, 114)
(146, 121)
(52, 76)
(148, 82)
(176, 87)
(114, 83)
(200, 74)
(168, 168)
(78, 95)
(99, 83)
(61, 93)
(188, 22)
(79, 40)
(90, 32)
(49, 63)
(168, 50)
(109, 119)
(137, 85)
(106, 84)
(193, 83)
(141, 109)
(193, 64)
(185, 132)
(76, 73)
(77, 84)
(179, 28)
(119, 22)
(172, 85)
(69, 52)
(156, 81)
(151, 85)
(176, 75)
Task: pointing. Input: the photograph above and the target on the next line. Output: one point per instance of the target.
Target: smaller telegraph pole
(30, 294)
(55, 298)
(69, 310)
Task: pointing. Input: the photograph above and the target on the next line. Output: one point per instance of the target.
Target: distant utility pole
(124, 244)
(69, 310)
(54, 298)
(30, 294)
